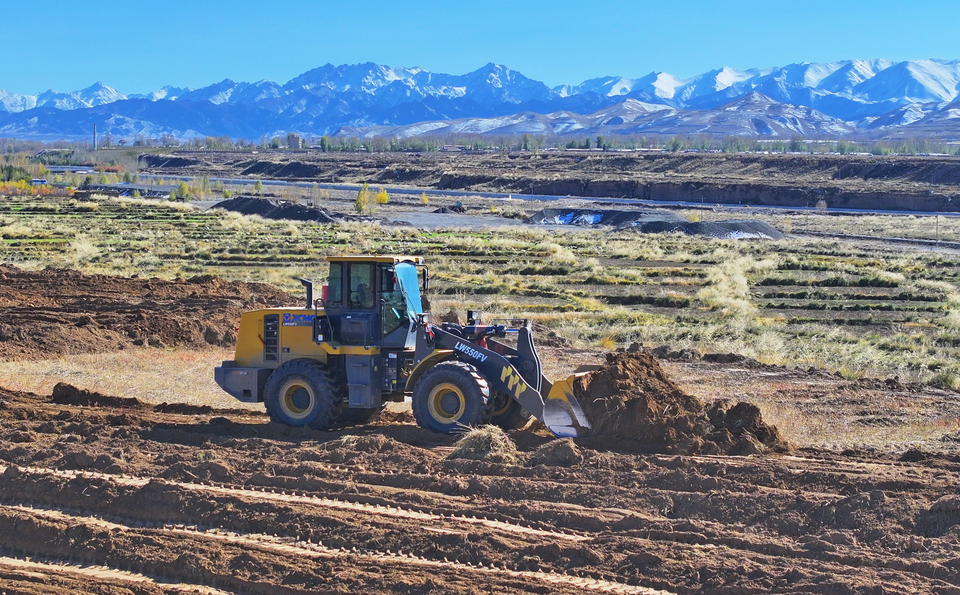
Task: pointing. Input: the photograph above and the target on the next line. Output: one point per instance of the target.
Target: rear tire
(450, 398)
(508, 414)
(304, 392)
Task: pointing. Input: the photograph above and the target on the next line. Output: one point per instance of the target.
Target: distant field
(856, 307)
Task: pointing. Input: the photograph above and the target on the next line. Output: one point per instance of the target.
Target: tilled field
(104, 494)
(108, 494)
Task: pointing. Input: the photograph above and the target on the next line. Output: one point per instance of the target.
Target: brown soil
(632, 398)
(220, 501)
(849, 181)
(106, 494)
(56, 312)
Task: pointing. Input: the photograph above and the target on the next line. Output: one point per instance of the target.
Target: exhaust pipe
(309, 285)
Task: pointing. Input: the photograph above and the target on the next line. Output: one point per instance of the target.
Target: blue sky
(138, 47)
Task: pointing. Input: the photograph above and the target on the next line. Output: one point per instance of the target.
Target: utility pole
(94, 137)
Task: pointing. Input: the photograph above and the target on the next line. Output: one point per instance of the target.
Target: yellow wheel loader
(367, 340)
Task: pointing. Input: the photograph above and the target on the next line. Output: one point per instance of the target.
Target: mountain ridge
(871, 97)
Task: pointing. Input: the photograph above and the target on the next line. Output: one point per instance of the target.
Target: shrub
(488, 443)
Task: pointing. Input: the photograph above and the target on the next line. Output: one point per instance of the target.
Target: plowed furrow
(21, 569)
(282, 496)
(643, 533)
(288, 548)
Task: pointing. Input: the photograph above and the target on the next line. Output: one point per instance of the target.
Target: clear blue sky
(138, 47)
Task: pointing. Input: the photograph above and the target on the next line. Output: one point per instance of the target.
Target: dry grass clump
(729, 289)
(487, 443)
(183, 207)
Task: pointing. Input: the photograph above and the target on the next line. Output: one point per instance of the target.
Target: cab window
(362, 288)
(394, 302)
(335, 285)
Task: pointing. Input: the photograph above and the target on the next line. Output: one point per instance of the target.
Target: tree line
(63, 152)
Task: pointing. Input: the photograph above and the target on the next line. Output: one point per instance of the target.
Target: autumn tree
(363, 203)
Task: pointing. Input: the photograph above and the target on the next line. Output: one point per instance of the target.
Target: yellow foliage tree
(382, 196)
(363, 199)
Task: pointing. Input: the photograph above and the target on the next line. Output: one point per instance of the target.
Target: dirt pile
(67, 394)
(56, 312)
(743, 229)
(631, 398)
(275, 209)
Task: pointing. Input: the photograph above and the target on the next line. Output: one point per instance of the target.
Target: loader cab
(372, 301)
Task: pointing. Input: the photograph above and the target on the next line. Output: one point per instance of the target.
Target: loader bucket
(562, 413)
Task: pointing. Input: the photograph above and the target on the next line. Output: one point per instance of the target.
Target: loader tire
(451, 398)
(304, 392)
(508, 414)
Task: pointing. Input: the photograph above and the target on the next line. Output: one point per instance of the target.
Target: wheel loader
(366, 341)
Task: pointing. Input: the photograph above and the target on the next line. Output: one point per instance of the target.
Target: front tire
(450, 398)
(304, 393)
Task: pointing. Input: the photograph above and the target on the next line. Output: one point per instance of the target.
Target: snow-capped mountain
(96, 94)
(870, 96)
(751, 115)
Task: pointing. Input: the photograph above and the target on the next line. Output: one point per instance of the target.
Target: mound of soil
(631, 398)
(454, 209)
(562, 452)
(58, 312)
(275, 209)
(168, 161)
(292, 170)
(726, 230)
(67, 394)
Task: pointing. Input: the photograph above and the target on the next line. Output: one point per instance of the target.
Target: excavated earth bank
(926, 183)
(55, 312)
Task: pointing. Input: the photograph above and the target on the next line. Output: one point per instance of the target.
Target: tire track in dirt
(38, 569)
(301, 498)
(289, 546)
(646, 529)
(681, 524)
